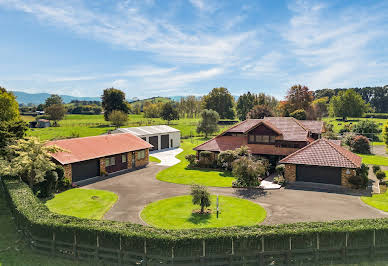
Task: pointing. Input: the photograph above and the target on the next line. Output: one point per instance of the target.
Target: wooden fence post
(75, 246)
(119, 259)
(345, 249)
(172, 255)
(317, 250)
(373, 248)
(202, 259)
(261, 254)
(145, 252)
(53, 245)
(97, 248)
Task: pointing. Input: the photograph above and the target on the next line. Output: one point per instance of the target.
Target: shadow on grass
(250, 193)
(206, 170)
(197, 218)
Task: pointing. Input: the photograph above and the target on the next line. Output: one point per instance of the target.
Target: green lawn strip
(378, 201)
(176, 213)
(154, 159)
(380, 143)
(82, 203)
(374, 159)
(180, 174)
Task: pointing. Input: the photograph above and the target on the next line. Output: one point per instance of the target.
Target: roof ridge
(340, 150)
(263, 121)
(246, 120)
(89, 137)
(300, 150)
(300, 124)
(206, 141)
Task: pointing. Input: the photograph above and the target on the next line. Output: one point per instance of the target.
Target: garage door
(154, 141)
(84, 170)
(318, 174)
(164, 139)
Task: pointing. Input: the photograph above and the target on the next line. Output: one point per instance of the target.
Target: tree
(221, 101)
(299, 97)
(152, 110)
(360, 144)
(299, 114)
(169, 112)
(200, 196)
(31, 162)
(348, 104)
(53, 99)
(226, 159)
(245, 103)
(259, 112)
(9, 107)
(247, 172)
(55, 112)
(118, 118)
(208, 123)
(113, 99)
(380, 175)
(10, 131)
(319, 108)
(385, 134)
(368, 128)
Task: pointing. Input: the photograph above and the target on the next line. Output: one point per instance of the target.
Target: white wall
(176, 139)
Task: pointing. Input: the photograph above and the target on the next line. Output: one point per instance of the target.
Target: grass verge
(154, 159)
(176, 213)
(378, 201)
(374, 159)
(82, 203)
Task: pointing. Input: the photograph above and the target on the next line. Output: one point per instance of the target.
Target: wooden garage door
(318, 174)
(154, 141)
(164, 140)
(84, 170)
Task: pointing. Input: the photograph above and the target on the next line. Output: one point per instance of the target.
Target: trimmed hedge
(33, 216)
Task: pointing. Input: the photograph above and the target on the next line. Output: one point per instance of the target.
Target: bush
(207, 159)
(376, 168)
(191, 158)
(226, 159)
(348, 139)
(247, 172)
(280, 180)
(368, 128)
(380, 175)
(280, 168)
(360, 144)
(299, 114)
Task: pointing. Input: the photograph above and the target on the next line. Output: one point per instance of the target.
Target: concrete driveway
(167, 158)
(139, 188)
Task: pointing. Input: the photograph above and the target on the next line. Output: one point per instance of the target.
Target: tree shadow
(250, 193)
(197, 218)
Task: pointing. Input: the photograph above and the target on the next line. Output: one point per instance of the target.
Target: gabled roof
(324, 152)
(82, 149)
(315, 126)
(249, 124)
(147, 130)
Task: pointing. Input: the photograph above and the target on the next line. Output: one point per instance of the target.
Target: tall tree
(11, 131)
(53, 99)
(9, 107)
(169, 112)
(221, 101)
(245, 103)
(299, 97)
(55, 112)
(113, 99)
(208, 123)
(348, 104)
(259, 112)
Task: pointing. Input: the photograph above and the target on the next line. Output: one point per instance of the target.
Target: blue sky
(182, 47)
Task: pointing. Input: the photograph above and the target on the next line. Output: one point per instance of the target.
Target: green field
(374, 159)
(92, 125)
(176, 213)
(82, 203)
(180, 174)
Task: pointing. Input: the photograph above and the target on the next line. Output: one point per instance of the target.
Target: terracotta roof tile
(314, 125)
(291, 128)
(82, 149)
(323, 152)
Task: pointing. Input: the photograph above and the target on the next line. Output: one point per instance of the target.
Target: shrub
(63, 184)
(280, 180)
(360, 180)
(280, 168)
(380, 175)
(368, 128)
(242, 151)
(191, 158)
(226, 159)
(376, 168)
(118, 118)
(206, 159)
(360, 145)
(299, 114)
(247, 172)
(200, 196)
(348, 139)
(46, 188)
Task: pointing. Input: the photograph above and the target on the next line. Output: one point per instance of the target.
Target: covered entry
(85, 169)
(154, 142)
(318, 174)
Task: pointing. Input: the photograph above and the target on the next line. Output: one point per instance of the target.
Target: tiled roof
(82, 149)
(323, 152)
(244, 126)
(291, 128)
(314, 125)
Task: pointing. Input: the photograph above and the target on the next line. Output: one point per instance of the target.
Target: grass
(15, 251)
(378, 201)
(154, 159)
(374, 159)
(176, 213)
(83, 203)
(92, 125)
(180, 174)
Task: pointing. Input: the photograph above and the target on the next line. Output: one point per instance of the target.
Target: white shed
(161, 136)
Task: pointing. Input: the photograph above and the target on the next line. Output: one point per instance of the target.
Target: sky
(187, 47)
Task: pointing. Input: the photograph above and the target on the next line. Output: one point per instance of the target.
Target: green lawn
(374, 159)
(180, 174)
(176, 213)
(83, 203)
(378, 201)
(92, 125)
(153, 159)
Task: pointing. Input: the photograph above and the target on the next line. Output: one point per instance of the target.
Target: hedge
(33, 216)
(376, 115)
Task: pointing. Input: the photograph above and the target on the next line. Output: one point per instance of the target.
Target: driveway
(167, 158)
(139, 188)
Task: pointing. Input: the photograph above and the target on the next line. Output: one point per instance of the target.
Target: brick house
(88, 157)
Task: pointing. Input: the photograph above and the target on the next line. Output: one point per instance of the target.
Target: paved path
(167, 157)
(139, 188)
(380, 150)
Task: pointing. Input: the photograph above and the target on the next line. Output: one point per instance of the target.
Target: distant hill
(38, 98)
(152, 100)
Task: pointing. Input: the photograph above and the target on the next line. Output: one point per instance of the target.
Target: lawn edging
(57, 234)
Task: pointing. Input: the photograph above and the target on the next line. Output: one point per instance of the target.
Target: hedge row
(376, 115)
(35, 216)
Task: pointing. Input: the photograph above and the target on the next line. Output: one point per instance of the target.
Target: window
(259, 138)
(266, 139)
(140, 154)
(110, 161)
(272, 139)
(251, 138)
(124, 158)
(107, 162)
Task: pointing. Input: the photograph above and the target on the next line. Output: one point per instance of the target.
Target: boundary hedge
(342, 240)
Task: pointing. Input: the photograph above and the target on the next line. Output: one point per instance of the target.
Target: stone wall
(102, 167)
(68, 173)
(129, 160)
(345, 176)
(142, 162)
(290, 172)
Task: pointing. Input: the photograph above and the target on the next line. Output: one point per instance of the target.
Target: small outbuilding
(160, 137)
(89, 157)
(322, 161)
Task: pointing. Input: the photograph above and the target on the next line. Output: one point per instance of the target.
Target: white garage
(161, 136)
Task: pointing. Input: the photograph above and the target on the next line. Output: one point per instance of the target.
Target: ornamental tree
(208, 123)
(113, 99)
(118, 118)
(9, 107)
(247, 172)
(200, 196)
(55, 112)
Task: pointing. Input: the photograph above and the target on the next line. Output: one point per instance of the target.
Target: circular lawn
(180, 213)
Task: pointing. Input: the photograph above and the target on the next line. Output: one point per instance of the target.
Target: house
(272, 137)
(84, 158)
(40, 123)
(160, 137)
(322, 161)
